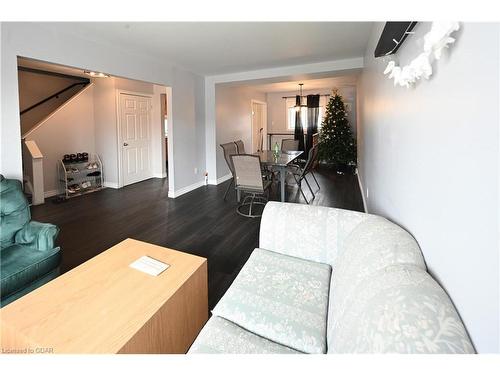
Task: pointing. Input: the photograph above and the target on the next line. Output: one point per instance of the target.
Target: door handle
(125, 144)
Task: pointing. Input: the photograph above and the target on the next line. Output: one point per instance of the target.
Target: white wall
(105, 129)
(158, 149)
(428, 159)
(233, 111)
(45, 42)
(68, 131)
(188, 123)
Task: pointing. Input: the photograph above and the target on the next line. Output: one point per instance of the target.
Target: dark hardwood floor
(199, 222)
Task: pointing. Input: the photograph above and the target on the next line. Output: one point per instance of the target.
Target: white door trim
(170, 148)
(119, 92)
(264, 132)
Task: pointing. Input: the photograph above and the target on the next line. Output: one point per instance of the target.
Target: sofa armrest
(40, 236)
(309, 232)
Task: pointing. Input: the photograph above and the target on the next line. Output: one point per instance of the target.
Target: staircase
(41, 94)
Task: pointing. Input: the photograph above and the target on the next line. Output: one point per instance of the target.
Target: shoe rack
(78, 177)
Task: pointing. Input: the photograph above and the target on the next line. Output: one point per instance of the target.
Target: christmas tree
(337, 145)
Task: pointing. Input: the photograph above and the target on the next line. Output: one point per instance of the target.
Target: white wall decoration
(421, 66)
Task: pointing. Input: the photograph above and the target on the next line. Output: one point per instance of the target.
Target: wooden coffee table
(104, 306)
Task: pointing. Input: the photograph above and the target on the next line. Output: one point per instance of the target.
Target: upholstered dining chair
(240, 146)
(248, 179)
(289, 145)
(299, 174)
(229, 150)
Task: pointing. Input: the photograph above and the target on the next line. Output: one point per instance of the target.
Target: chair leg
(315, 180)
(251, 204)
(309, 186)
(300, 188)
(229, 186)
(250, 201)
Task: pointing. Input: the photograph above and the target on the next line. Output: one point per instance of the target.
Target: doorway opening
(82, 131)
(259, 125)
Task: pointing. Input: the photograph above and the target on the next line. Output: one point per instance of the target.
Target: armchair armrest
(40, 236)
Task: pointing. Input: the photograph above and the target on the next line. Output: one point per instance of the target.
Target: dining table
(279, 161)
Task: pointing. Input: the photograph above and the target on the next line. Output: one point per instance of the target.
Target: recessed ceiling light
(96, 74)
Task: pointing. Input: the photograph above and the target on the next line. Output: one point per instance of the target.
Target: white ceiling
(209, 48)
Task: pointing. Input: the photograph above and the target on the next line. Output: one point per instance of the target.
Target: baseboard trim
(50, 193)
(112, 185)
(220, 180)
(187, 189)
(160, 175)
(362, 191)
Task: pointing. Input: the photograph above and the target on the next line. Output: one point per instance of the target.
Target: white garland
(421, 66)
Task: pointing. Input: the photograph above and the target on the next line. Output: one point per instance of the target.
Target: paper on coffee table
(149, 265)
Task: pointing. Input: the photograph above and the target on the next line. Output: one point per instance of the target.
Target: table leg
(282, 182)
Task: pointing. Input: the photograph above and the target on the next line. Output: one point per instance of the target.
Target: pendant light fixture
(299, 102)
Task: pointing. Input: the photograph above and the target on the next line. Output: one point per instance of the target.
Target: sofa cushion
(22, 265)
(221, 336)
(400, 309)
(373, 245)
(281, 298)
(309, 232)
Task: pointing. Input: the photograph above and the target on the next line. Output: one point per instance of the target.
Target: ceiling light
(96, 74)
(300, 99)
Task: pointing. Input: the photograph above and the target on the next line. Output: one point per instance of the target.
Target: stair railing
(52, 96)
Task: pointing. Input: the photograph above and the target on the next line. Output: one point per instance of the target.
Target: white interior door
(135, 122)
(258, 125)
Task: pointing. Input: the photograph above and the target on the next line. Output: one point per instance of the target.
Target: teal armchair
(28, 256)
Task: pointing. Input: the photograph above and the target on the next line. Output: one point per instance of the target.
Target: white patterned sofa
(326, 280)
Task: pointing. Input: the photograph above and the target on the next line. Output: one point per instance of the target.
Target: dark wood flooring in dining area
(199, 222)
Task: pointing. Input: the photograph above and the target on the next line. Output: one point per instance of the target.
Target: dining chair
(229, 149)
(261, 140)
(315, 141)
(240, 146)
(315, 163)
(299, 174)
(248, 179)
(289, 145)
